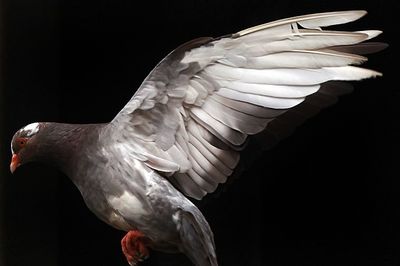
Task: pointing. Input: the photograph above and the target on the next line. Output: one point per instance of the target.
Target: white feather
(265, 101)
(191, 95)
(295, 59)
(211, 171)
(228, 157)
(350, 73)
(371, 33)
(205, 83)
(234, 119)
(197, 168)
(248, 108)
(188, 186)
(161, 164)
(210, 156)
(283, 76)
(303, 40)
(204, 184)
(310, 21)
(199, 88)
(31, 129)
(220, 130)
(279, 91)
(179, 156)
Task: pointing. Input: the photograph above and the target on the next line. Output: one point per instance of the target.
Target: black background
(327, 195)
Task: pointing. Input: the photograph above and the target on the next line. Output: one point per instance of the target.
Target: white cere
(31, 129)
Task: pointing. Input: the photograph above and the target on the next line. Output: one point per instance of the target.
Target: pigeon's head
(23, 144)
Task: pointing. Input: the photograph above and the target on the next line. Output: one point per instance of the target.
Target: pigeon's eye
(22, 142)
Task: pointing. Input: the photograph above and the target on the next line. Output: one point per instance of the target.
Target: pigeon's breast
(125, 193)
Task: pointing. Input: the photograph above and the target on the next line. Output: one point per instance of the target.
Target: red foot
(133, 247)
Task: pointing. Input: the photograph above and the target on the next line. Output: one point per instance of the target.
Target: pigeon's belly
(126, 205)
(100, 206)
(116, 209)
(129, 196)
(117, 221)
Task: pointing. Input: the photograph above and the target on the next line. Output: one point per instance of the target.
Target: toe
(134, 248)
(143, 250)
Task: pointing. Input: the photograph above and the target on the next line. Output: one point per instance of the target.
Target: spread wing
(193, 113)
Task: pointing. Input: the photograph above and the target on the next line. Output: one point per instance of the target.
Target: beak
(14, 163)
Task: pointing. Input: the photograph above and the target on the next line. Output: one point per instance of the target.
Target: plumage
(218, 129)
(228, 157)
(361, 48)
(297, 59)
(277, 91)
(260, 100)
(203, 167)
(302, 40)
(190, 185)
(182, 132)
(217, 162)
(247, 108)
(312, 21)
(234, 119)
(288, 76)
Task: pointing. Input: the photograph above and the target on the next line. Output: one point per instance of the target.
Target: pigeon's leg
(134, 248)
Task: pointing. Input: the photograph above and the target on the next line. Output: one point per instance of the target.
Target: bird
(181, 134)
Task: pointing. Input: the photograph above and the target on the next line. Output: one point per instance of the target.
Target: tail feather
(197, 238)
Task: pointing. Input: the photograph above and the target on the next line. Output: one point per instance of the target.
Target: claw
(134, 248)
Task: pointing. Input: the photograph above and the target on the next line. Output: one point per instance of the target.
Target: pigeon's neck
(64, 144)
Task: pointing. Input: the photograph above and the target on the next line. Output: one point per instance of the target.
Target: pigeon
(182, 132)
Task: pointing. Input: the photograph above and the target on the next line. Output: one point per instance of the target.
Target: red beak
(14, 163)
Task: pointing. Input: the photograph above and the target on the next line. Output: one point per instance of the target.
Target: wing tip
(365, 73)
(359, 13)
(377, 74)
(356, 13)
(371, 33)
(362, 12)
(371, 73)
